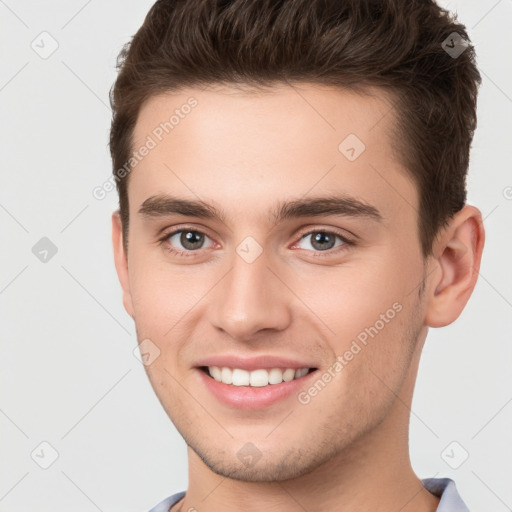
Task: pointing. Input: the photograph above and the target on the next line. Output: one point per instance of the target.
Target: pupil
(321, 238)
(191, 239)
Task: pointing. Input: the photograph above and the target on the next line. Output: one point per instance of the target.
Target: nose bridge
(250, 297)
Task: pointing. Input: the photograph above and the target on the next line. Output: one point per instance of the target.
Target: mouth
(263, 377)
(257, 382)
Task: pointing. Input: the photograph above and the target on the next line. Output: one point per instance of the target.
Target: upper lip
(254, 363)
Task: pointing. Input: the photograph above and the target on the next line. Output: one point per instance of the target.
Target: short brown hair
(392, 44)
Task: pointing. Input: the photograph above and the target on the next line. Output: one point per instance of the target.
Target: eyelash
(347, 244)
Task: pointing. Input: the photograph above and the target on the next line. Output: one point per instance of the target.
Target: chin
(271, 467)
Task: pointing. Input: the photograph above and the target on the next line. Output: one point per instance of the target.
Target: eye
(191, 240)
(188, 241)
(324, 241)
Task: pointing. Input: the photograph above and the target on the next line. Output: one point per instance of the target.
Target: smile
(255, 378)
(254, 389)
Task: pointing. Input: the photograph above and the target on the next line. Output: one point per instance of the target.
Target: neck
(348, 483)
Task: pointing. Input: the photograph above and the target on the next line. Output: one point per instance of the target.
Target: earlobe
(459, 252)
(121, 262)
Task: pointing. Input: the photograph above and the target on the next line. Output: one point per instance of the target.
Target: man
(292, 220)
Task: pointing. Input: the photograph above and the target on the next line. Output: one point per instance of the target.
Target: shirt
(441, 487)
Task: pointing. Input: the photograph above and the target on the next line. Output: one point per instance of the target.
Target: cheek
(368, 319)
(349, 299)
(159, 294)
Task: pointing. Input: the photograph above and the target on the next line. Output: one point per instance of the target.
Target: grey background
(68, 373)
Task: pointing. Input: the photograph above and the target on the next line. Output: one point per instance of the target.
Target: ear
(457, 254)
(121, 262)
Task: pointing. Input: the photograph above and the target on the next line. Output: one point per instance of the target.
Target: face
(306, 249)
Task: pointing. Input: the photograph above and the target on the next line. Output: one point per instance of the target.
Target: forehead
(248, 148)
(304, 109)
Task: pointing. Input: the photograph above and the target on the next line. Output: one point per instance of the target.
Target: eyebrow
(163, 205)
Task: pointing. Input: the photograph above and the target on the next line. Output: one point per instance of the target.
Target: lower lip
(252, 397)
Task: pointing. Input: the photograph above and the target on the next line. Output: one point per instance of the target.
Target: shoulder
(164, 505)
(446, 489)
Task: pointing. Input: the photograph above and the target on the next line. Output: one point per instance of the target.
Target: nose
(251, 297)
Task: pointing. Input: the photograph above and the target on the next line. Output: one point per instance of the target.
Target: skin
(244, 151)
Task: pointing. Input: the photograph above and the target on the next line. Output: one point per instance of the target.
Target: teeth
(258, 378)
(239, 377)
(255, 378)
(226, 375)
